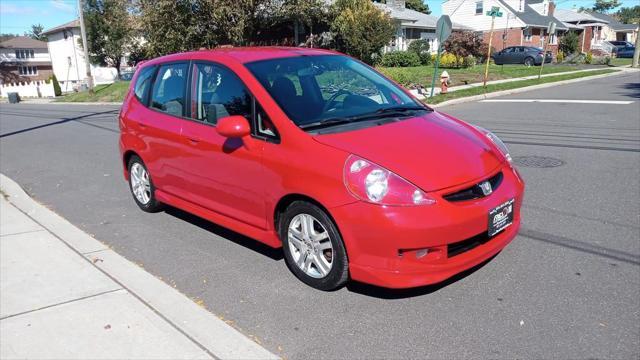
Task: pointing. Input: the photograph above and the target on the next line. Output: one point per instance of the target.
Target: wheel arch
(288, 199)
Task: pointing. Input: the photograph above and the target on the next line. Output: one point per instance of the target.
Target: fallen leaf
(107, 327)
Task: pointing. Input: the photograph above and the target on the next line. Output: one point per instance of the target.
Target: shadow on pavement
(62, 121)
(249, 243)
(634, 89)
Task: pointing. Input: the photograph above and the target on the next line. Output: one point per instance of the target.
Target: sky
(17, 16)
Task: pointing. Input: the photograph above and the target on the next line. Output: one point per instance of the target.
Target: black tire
(529, 61)
(338, 275)
(153, 205)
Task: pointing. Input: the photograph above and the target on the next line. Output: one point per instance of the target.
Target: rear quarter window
(143, 84)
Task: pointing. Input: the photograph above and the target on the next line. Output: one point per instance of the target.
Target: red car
(318, 153)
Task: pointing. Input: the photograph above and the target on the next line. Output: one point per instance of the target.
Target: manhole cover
(537, 161)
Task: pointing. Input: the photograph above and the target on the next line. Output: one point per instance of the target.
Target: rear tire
(313, 248)
(141, 186)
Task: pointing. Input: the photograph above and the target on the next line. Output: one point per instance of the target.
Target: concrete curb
(524, 89)
(196, 323)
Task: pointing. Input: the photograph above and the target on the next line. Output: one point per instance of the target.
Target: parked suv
(526, 55)
(319, 154)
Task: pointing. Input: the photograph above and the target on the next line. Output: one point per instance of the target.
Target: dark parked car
(626, 52)
(527, 55)
(126, 76)
(621, 44)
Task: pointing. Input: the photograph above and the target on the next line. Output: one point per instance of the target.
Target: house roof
(571, 16)
(69, 25)
(412, 18)
(612, 22)
(23, 42)
(533, 18)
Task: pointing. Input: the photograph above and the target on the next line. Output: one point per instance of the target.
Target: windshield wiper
(368, 116)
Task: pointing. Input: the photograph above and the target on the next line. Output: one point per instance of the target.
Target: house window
(553, 40)
(527, 34)
(478, 7)
(28, 70)
(24, 54)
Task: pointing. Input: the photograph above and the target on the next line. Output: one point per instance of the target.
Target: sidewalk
(64, 295)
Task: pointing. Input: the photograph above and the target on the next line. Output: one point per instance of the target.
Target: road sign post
(495, 12)
(443, 31)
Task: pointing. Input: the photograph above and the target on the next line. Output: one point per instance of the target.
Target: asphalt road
(567, 287)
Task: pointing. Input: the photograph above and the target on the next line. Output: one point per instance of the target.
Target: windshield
(328, 89)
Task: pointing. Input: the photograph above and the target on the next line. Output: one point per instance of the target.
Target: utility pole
(83, 33)
(551, 30)
(636, 53)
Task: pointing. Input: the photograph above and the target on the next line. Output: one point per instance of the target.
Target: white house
(412, 25)
(68, 60)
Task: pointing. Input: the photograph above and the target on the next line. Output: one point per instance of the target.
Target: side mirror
(235, 126)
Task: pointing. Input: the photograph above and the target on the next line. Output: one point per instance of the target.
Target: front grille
(474, 192)
(467, 245)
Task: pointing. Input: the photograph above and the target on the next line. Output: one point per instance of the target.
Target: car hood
(432, 151)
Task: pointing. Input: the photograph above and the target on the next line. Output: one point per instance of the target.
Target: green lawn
(620, 61)
(512, 85)
(102, 93)
(423, 74)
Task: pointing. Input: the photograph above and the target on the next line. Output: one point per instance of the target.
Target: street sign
(551, 29)
(495, 12)
(443, 28)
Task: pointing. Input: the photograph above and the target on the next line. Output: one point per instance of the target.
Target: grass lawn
(512, 85)
(102, 93)
(423, 74)
(621, 61)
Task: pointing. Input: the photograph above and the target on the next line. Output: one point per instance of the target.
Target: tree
(308, 13)
(6, 36)
(36, 32)
(418, 5)
(603, 6)
(360, 29)
(569, 42)
(465, 43)
(629, 15)
(108, 31)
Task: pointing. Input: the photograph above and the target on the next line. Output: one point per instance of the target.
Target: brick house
(24, 60)
(588, 27)
(523, 23)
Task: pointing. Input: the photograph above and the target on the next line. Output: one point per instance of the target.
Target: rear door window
(169, 93)
(143, 83)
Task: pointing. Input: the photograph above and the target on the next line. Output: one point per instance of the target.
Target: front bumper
(383, 242)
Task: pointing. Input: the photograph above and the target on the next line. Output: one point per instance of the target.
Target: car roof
(243, 54)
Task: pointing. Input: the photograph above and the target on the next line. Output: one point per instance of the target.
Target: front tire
(313, 248)
(528, 62)
(142, 187)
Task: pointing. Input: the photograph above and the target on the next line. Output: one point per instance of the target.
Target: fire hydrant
(444, 82)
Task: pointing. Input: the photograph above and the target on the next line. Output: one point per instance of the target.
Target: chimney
(398, 4)
(552, 8)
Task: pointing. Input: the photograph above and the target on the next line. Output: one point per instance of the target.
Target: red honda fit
(318, 153)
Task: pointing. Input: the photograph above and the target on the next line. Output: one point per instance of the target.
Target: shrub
(601, 60)
(560, 56)
(421, 47)
(400, 59)
(56, 86)
(465, 43)
(449, 60)
(569, 42)
(588, 59)
(469, 61)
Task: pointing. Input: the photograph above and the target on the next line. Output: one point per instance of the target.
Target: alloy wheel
(310, 246)
(140, 184)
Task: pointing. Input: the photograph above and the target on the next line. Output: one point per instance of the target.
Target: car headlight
(496, 140)
(373, 183)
